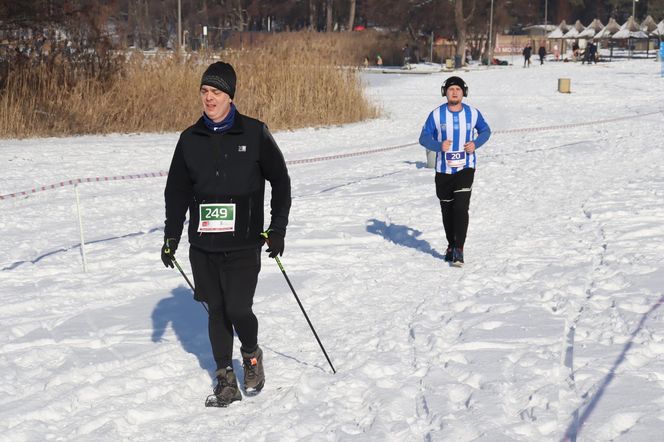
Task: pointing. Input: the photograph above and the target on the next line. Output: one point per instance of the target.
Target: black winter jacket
(232, 167)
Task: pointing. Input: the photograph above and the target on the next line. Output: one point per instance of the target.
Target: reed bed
(289, 81)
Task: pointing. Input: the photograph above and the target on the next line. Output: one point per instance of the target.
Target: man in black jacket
(542, 53)
(218, 173)
(527, 52)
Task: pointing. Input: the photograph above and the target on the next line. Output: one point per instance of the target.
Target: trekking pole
(281, 267)
(175, 261)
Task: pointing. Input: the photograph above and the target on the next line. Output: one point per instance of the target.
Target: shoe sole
(214, 401)
(457, 264)
(255, 390)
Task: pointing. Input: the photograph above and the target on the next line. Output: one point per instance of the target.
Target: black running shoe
(448, 254)
(457, 257)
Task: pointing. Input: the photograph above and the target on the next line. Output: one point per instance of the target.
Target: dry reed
(291, 81)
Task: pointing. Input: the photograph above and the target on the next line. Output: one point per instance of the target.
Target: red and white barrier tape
(317, 159)
(163, 173)
(82, 180)
(497, 132)
(588, 123)
(348, 155)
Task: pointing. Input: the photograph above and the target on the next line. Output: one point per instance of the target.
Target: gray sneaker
(254, 376)
(226, 391)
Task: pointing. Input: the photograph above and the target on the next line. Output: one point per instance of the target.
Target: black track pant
(227, 282)
(454, 191)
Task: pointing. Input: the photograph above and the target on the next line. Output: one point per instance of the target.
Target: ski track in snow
(551, 330)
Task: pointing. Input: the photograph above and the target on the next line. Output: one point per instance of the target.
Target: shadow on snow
(13, 265)
(402, 236)
(189, 322)
(577, 423)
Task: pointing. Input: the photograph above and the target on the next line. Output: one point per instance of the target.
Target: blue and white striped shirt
(460, 127)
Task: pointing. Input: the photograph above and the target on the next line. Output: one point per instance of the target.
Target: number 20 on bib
(456, 158)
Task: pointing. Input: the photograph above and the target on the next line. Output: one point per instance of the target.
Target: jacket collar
(237, 128)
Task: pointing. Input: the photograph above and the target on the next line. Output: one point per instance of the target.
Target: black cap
(454, 81)
(220, 75)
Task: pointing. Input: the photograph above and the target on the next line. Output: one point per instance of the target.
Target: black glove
(275, 243)
(168, 251)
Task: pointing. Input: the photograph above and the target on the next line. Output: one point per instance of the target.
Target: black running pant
(454, 191)
(227, 282)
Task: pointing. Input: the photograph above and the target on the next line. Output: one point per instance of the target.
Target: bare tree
(351, 14)
(313, 15)
(461, 21)
(328, 16)
(144, 23)
(238, 15)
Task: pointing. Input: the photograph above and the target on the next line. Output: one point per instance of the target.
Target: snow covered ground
(553, 329)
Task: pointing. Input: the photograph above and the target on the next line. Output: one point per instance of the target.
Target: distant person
(590, 54)
(218, 174)
(498, 62)
(527, 52)
(593, 53)
(542, 53)
(379, 61)
(575, 51)
(586, 54)
(454, 131)
(366, 62)
(556, 53)
(407, 55)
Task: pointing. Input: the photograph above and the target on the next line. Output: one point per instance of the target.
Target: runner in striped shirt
(454, 131)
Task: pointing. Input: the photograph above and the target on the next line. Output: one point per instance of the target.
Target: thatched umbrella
(660, 30)
(564, 27)
(558, 33)
(575, 30)
(560, 30)
(611, 28)
(593, 28)
(630, 30)
(648, 25)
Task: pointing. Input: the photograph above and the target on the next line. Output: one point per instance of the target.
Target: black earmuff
(454, 81)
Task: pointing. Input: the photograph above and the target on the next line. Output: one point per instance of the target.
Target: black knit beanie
(220, 75)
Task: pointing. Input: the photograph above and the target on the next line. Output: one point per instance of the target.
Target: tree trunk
(351, 15)
(460, 28)
(328, 20)
(243, 22)
(461, 23)
(235, 16)
(489, 50)
(313, 16)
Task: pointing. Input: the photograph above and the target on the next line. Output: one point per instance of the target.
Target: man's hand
(447, 145)
(168, 251)
(275, 243)
(469, 147)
